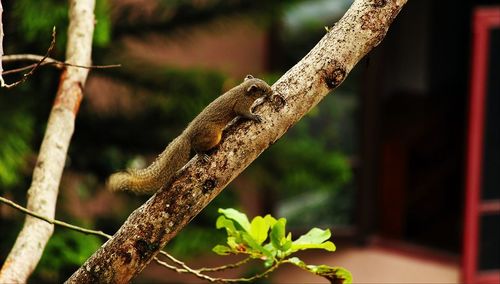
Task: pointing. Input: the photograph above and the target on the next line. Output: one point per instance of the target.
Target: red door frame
(484, 19)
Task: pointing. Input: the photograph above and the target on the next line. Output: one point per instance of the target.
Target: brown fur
(201, 135)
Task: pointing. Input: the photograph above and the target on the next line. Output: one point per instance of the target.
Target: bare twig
(224, 267)
(255, 277)
(27, 75)
(53, 221)
(42, 194)
(207, 269)
(171, 267)
(185, 268)
(81, 229)
(197, 272)
(47, 61)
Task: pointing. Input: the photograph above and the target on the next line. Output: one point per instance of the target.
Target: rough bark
(151, 226)
(42, 194)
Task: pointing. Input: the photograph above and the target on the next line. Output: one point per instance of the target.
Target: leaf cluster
(265, 238)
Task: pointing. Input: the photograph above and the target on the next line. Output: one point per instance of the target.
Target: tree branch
(46, 61)
(198, 272)
(42, 194)
(36, 65)
(54, 221)
(224, 267)
(156, 222)
(185, 269)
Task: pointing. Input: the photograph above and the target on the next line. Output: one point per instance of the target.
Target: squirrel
(202, 134)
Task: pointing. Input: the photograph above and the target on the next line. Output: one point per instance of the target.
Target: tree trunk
(151, 226)
(42, 194)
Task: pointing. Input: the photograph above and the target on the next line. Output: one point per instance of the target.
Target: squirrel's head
(255, 87)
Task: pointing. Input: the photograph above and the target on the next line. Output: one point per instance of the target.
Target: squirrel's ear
(248, 77)
(252, 88)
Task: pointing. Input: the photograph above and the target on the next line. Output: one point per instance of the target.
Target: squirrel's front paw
(204, 157)
(257, 118)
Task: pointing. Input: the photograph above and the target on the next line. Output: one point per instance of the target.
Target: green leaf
(237, 216)
(314, 236)
(337, 275)
(278, 238)
(223, 222)
(328, 246)
(269, 247)
(287, 242)
(260, 227)
(314, 239)
(222, 250)
(233, 244)
(257, 250)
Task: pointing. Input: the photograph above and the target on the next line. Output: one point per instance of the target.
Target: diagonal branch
(156, 222)
(184, 269)
(42, 194)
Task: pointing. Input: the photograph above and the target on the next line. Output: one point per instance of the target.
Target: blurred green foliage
(65, 252)
(16, 131)
(36, 19)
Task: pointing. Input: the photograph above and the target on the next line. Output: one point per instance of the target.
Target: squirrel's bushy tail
(161, 171)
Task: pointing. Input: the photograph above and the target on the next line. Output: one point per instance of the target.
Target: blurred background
(384, 162)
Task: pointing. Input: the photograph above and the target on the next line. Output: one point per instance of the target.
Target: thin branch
(224, 267)
(175, 268)
(28, 57)
(27, 75)
(53, 221)
(42, 193)
(197, 272)
(205, 269)
(48, 61)
(185, 269)
(20, 69)
(255, 277)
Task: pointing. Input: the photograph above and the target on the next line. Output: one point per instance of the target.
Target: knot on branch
(125, 256)
(334, 74)
(144, 249)
(208, 185)
(378, 3)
